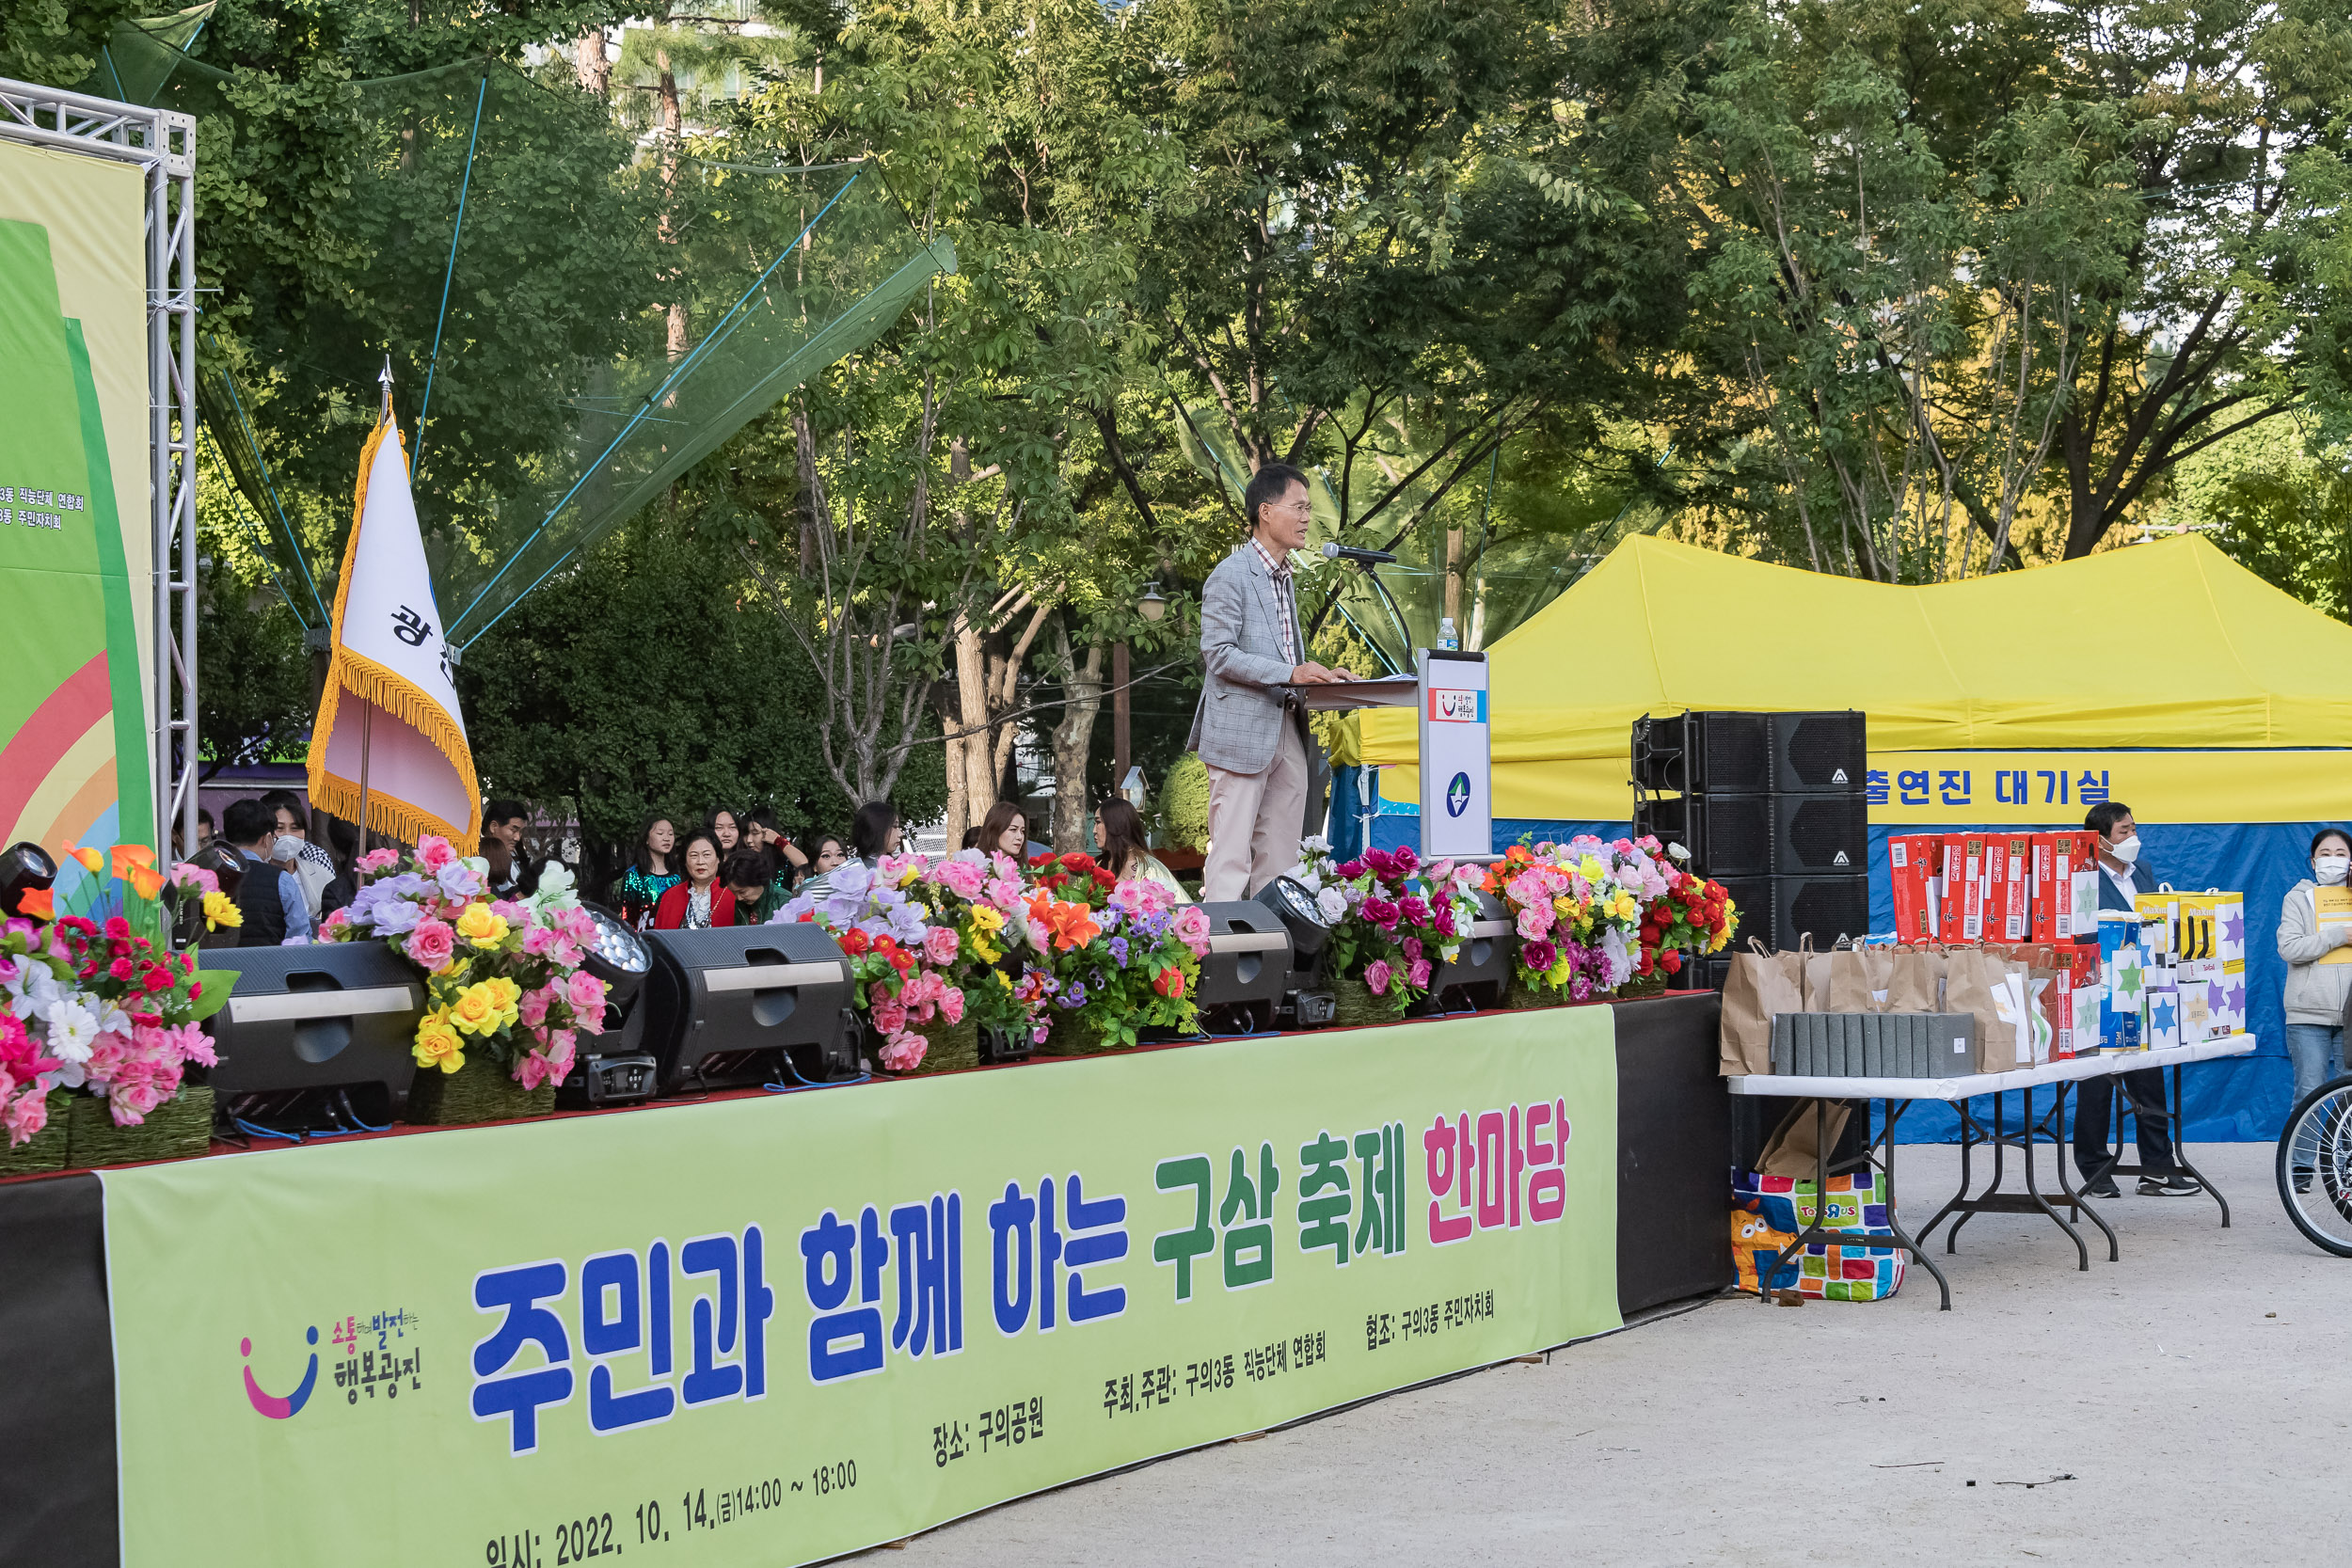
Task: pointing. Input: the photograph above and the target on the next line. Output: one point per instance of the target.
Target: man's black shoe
(2104, 1187)
(2171, 1186)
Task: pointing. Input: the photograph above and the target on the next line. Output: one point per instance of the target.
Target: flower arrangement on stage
(503, 976)
(983, 903)
(899, 962)
(1682, 911)
(1593, 914)
(1393, 918)
(1113, 957)
(1577, 923)
(102, 1006)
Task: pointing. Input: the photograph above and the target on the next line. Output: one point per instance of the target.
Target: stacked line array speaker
(1770, 805)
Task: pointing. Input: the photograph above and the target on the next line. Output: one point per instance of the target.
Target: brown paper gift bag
(1757, 987)
(1792, 1150)
(1816, 967)
(1917, 983)
(1849, 987)
(1972, 977)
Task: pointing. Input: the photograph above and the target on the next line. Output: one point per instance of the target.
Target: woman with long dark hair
(1119, 837)
(725, 829)
(699, 901)
(652, 872)
(874, 831)
(1006, 831)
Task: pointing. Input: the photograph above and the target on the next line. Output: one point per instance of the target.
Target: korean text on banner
(801, 1326)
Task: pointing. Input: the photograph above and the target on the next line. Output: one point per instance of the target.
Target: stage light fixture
(23, 869)
(614, 1067)
(1307, 1001)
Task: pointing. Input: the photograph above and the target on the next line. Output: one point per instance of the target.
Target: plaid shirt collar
(1280, 572)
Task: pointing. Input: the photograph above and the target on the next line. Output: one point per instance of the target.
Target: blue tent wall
(2244, 1100)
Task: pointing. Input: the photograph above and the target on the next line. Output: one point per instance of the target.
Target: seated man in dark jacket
(269, 898)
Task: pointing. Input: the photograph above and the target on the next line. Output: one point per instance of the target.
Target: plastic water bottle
(1446, 638)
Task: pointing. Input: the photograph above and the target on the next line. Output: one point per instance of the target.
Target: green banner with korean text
(774, 1329)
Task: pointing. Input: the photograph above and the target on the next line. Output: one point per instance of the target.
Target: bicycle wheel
(2316, 1151)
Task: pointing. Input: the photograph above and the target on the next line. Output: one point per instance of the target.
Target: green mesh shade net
(572, 321)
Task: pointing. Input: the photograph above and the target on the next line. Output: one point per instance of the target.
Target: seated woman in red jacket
(699, 901)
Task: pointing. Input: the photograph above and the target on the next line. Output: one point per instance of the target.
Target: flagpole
(367, 709)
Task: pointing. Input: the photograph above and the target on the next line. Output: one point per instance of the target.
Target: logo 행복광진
(1457, 795)
(272, 1405)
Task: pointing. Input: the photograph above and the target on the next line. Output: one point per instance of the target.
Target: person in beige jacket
(2315, 990)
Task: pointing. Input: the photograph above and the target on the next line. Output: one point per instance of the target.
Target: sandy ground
(2189, 1403)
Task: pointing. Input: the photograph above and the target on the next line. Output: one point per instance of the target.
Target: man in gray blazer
(1251, 728)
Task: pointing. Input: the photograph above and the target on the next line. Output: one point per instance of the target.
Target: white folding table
(1900, 1093)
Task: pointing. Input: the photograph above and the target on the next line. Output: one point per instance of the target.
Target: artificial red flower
(1672, 962)
(1169, 983)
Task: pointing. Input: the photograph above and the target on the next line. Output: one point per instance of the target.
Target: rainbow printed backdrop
(75, 763)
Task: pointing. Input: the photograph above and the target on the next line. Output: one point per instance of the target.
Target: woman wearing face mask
(2319, 978)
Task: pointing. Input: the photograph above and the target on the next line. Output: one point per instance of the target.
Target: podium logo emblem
(275, 1406)
(1454, 706)
(1457, 795)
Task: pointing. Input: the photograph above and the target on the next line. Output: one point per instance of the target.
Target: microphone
(1361, 558)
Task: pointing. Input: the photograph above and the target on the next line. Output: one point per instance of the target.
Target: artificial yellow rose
(439, 1045)
(986, 919)
(220, 910)
(481, 926)
(508, 996)
(1563, 905)
(1560, 971)
(476, 1010)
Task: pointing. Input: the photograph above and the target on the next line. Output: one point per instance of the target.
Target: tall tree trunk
(1082, 694)
(673, 138)
(589, 60)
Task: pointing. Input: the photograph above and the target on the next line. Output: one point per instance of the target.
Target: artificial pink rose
(432, 852)
(963, 879)
(1376, 976)
(890, 1017)
(1419, 974)
(432, 944)
(531, 1069)
(561, 1043)
(951, 1005)
(1534, 922)
(379, 860)
(1191, 927)
(1412, 947)
(538, 941)
(510, 911)
(25, 1116)
(585, 992)
(530, 1009)
(191, 1044)
(110, 1055)
(939, 944)
(131, 1099)
(564, 954)
(904, 1053)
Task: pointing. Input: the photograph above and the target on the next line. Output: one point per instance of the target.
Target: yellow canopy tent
(2164, 674)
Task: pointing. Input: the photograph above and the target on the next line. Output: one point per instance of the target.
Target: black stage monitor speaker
(1481, 971)
(1819, 753)
(1777, 911)
(311, 1031)
(1820, 835)
(1249, 960)
(743, 1005)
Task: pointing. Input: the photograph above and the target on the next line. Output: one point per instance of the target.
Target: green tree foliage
(2279, 504)
(653, 680)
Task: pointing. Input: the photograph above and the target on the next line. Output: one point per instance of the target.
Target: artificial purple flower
(1407, 861)
(1376, 976)
(1538, 956)
(1381, 912)
(1119, 950)
(1412, 910)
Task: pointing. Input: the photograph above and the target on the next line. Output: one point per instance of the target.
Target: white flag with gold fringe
(389, 733)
